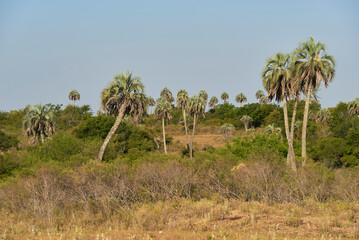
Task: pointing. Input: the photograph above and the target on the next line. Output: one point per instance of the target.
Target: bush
(7, 141)
(95, 127)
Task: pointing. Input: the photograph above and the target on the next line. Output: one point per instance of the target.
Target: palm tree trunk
(305, 123)
(241, 104)
(291, 154)
(286, 126)
(185, 126)
(112, 131)
(42, 137)
(191, 145)
(164, 135)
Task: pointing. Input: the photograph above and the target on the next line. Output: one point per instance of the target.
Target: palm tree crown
(167, 94)
(182, 98)
(276, 77)
(74, 96)
(353, 107)
(241, 98)
(163, 109)
(196, 105)
(213, 101)
(123, 90)
(224, 96)
(39, 123)
(259, 94)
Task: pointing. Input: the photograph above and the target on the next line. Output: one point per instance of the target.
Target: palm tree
(162, 111)
(224, 97)
(182, 102)
(312, 66)
(271, 129)
(120, 98)
(278, 83)
(74, 96)
(263, 100)
(196, 106)
(353, 107)
(246, 121)
(151, 102)
(213, 101)
(322, 115)
(137, 107)
(39, 123)
(241, 98)
(259, 94)
(227, 130)
(167, 94)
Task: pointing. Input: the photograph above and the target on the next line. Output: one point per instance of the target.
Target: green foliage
(71, 116)
(334, 152)
(7, 142)
(131, 137)
(341, 122)
(95, 127)
(245, 146)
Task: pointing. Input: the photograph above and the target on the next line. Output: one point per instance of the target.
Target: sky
(48, 48)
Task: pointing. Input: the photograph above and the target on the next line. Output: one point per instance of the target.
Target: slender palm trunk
(73, 102)
(291, 154)
(112, 131)
(164, 135)
(42, 137)
(305, 123)
(191, 144)
(185, 126)
(241, 104)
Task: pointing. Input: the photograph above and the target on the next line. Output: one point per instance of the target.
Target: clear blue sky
(48, 48)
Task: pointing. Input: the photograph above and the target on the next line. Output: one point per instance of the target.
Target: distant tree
(203, 94)
(311, 66)
(246, 121)
(7, 142)
(74, 96)
(151, 102)
(224, 97)
(241, 98)
(39, 123)
(353, 107)
(162, 111)
(196, 106)
(213, 101)
(227, 130)
(259, 95)
(118, 99)
(182, 102)
(167, 94)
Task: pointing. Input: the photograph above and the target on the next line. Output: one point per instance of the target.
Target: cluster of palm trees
(287, 76)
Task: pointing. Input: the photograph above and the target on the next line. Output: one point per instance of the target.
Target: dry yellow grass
(205, 219)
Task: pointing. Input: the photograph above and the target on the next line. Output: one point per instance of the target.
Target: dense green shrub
(95, 127)
(72, 116)
(7, 141)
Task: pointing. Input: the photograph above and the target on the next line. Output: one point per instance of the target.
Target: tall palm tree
(203, 94)
(241, 98)
(74, 96)
(39, 123)
(312, 65)
(353, 107)
(246, 121)
(167, 94)
(151, 102)
(137, 107)
(182, 102)
(196, 106)
(162, 111)
(213, 101)
(118, 99)
(259, 94)
(224, 97)
(278, 83)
